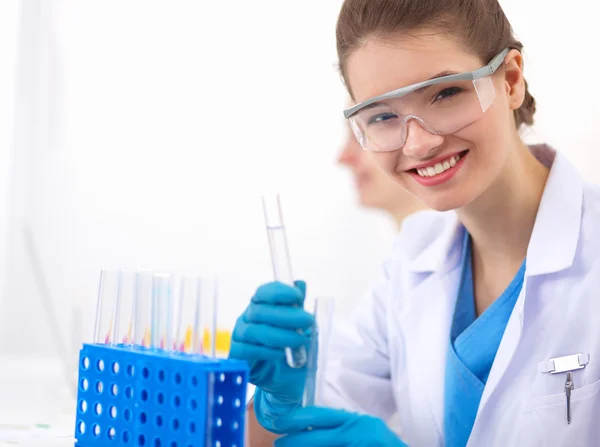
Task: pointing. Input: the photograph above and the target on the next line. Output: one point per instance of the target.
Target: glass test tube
(161, 331)
(124, 318)
(190, 331)
(142, 326)
(106, 307)
(282, 268)
(317, 351)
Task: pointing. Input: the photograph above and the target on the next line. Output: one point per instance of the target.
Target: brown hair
(480, 24)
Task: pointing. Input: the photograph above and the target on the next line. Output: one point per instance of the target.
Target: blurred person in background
(374, 187)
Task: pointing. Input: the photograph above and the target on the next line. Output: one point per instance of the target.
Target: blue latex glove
(269, 324)
(325, 427)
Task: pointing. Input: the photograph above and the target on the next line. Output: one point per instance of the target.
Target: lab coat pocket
(544, 421)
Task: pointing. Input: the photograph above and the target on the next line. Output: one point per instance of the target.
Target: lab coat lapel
(434, 300)
(438, 299)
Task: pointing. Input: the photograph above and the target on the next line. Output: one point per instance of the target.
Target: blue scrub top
(472, 348)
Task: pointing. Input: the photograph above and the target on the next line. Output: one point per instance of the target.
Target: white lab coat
(392, 356)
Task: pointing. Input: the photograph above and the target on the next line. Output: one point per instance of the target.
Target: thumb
(302, 286)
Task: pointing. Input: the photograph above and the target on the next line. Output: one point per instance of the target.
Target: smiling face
(446, 171)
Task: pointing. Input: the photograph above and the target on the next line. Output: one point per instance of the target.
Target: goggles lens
(442, 108)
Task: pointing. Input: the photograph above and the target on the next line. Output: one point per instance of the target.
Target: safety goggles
(442, 106)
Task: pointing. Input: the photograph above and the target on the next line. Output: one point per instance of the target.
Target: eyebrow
(441, 74)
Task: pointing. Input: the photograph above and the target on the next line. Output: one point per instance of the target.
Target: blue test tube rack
(133, 396)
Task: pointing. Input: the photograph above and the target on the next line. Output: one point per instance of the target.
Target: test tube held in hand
(282, 268)
(317, 351)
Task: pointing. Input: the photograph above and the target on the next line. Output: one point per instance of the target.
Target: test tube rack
(134, 396)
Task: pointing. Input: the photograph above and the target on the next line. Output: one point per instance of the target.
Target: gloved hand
(325, 427)
(268, 325)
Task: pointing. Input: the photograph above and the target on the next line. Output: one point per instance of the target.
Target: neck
(501, 222)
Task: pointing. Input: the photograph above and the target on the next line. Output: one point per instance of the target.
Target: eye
(382, 117)
(447, 93)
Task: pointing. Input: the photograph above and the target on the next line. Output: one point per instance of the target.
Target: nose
(419, 141)
(350, 152)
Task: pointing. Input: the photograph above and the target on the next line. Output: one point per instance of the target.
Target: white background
(141, 134)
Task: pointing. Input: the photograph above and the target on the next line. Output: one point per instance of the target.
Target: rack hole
(111, 433)
(175, 424)
(238, 380)
(177, 378)
(161, 376)
(176, 401)
(98, 408)
(126, 437)
(115, 367)
(85, 363)
(145, 372)
(217, 443)
(237, 403)
(194, 381)
(220, 400)
(219, 422)
(113, 412)
(130, 370)
(128, 392)
(114, 389)
(141, 440)
(193, 404)
(174, 444)
(100, 365)
(143, 417)
(144, 395)
(222, 377)
(99, 387)
(84, 384)
(192, 427)
(235, 425)
(127, 414)
(160, 398)
(96, 430)
(159, 420)
(83, 406)
(81, 427)
(157, 442)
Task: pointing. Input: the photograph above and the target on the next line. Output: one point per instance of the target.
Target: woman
(374, 187)
(483, 331)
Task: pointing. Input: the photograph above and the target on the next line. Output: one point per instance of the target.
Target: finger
(278, 293)
(266, 335)
(247, 351)
(279, 316)
(314, 438)
(316, 417)
(301, 285)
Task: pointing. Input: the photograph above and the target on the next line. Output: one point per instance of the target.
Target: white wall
(8, 41)
(162, 121)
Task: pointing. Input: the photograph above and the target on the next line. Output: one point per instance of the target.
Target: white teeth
(438, 168)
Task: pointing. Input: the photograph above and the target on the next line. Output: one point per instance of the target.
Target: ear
(514, 79)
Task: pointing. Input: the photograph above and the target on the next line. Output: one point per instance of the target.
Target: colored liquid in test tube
(282, 268)
(107, 305)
